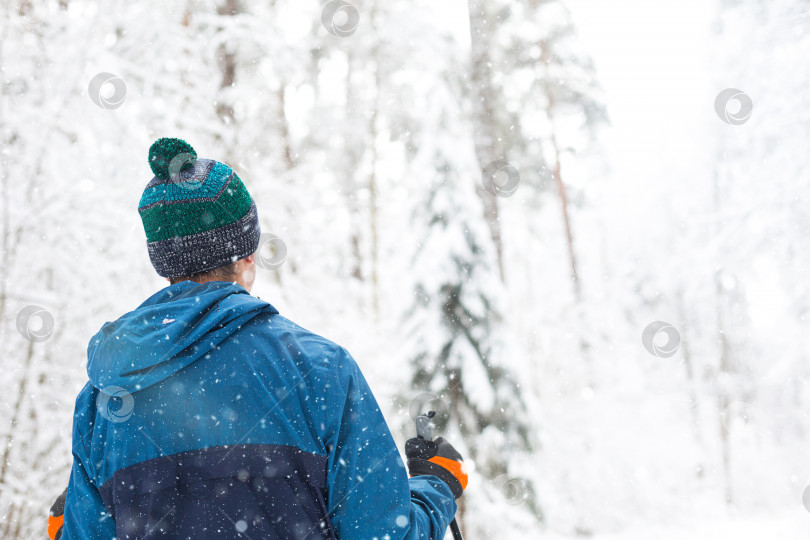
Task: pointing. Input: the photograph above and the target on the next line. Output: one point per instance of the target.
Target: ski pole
(424, 430)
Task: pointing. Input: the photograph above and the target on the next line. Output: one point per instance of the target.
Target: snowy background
(513, 302)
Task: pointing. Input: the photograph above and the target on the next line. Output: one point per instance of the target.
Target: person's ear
(250, 259)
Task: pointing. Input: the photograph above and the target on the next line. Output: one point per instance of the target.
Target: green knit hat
(197, 213)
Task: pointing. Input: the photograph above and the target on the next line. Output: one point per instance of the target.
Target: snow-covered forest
(579, 230)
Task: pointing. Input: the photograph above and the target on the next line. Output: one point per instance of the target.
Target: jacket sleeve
(369, 492)
(86, 517)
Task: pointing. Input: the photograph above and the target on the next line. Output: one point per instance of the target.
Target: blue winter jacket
(209, 415)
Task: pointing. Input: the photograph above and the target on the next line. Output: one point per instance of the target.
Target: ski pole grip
(424, 425)
(424, 430)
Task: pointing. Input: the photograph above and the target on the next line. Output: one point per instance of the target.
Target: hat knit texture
(196, 213)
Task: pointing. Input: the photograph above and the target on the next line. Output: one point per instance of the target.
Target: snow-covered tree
(458, 336)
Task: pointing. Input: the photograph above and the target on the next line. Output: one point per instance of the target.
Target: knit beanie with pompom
(197, 213)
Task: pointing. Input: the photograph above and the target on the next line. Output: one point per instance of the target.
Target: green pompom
(163, 151)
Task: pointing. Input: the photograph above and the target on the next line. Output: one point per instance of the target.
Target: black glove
(437, 458)
(57, 517)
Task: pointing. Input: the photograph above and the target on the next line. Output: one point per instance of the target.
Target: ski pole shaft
(455, 530)
(424, 430)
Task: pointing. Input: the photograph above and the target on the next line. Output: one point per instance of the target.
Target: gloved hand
(439, 458)
(56, 518)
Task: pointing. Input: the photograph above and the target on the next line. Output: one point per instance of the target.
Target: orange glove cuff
(54, 524)
(455, 467)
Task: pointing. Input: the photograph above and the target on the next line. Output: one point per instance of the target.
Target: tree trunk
(5, 267)
(723, 399)
(372, 179)
(352, 152)
(15, 418)
(725, 364)
(569, 237)
(561, 190)
(488, 140)
(284, 127)
(694, 406)
(227, 64)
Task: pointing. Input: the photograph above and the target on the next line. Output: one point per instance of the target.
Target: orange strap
(455, 468)
(54, 524)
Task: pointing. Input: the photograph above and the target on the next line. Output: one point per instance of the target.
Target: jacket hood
(169, 331)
